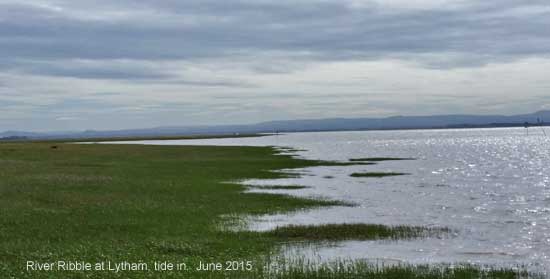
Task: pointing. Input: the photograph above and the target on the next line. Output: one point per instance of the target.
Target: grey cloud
(94, 72)
(292, 95)
(105, 94)
(131, 70)
(86, 69)
(213, 83)
(317, 31)
(133, 49)
(7, 103)
(77, 105)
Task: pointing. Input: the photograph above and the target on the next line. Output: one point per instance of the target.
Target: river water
(491, 186)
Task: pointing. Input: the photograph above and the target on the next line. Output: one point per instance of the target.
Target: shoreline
(134, 202)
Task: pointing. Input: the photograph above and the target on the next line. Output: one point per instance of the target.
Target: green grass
(289, 149)
(281, 187)
(113, 203)
(378, 159)
(359, 269)
(131, 202)
(336, 232)
(376, 174)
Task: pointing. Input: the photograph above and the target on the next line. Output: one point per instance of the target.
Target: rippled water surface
(490, 185)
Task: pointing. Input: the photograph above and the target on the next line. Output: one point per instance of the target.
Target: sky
(76, 65)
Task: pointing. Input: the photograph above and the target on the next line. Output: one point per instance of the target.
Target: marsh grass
(280, 187)
(71, 179)
(289, 149)
(356, 269)
(376, 174)
(336, 232)
(101, 202)
(379, 159)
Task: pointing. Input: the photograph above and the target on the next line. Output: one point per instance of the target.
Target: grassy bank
(136, 204)
(131, 203)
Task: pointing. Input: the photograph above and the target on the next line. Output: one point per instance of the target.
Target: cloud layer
(200, 54)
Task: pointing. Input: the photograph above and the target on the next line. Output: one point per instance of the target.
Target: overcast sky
(75, 65)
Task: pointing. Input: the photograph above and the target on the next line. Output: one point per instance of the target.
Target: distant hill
(408, 122)
(332, 124)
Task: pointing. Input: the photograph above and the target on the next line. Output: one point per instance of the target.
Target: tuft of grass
(281, 187)
(289, 149)
(379, 159)
(336, 232)
(376, 174)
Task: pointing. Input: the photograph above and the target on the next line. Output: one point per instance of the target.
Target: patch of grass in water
(289, 149)
(336, 232)
(298, 269)
(349, 164)
(379, 159)
(281, 187)
(376, 174)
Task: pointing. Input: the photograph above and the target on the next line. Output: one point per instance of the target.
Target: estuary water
(491, 186)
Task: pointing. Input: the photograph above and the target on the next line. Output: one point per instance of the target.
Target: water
(490, 185)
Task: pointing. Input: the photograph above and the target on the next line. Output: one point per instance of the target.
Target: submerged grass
(348, 269)
(281, 187)
(379, 159)
(335, 232)
(376, 174)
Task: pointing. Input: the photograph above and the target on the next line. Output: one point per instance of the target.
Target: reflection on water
(491, 185)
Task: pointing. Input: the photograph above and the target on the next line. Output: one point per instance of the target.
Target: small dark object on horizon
(53, 147)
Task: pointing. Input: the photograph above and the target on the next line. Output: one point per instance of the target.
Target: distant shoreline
(258, 134)
(130, 138)
(449, 121)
